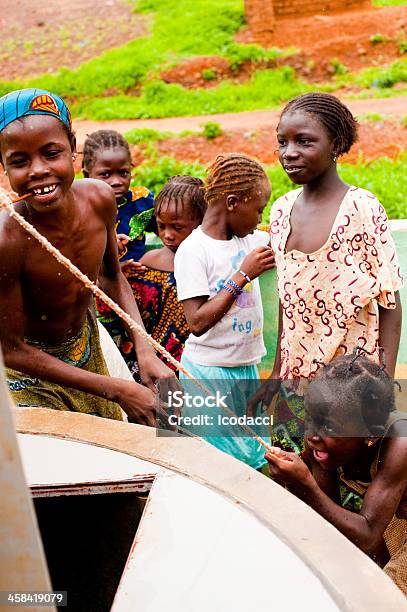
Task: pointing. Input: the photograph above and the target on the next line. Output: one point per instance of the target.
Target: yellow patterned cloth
(82, 351)
(395, 535)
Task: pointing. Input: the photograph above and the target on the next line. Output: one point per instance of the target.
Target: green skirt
(82, 351)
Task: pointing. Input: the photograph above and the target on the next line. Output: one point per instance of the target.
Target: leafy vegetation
(384, 177)
(209, 74)
(266, 89)
(211, 130)
(377, 38)
(144, 135)
(338, 67)
(125, 82)
(155, 173)
(371, 117)
(389, 2)
(380, 78)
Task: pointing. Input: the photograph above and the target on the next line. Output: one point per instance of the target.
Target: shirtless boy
(48, 333)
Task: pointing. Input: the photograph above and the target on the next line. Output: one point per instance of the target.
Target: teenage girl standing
(338, 273)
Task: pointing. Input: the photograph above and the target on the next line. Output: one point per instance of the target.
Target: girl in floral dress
(338, 272)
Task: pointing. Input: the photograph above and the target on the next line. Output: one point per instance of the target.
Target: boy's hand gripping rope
(8, 205)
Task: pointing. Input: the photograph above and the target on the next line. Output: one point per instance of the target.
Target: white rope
(8, 205)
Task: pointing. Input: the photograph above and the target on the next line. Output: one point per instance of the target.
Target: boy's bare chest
(47, 280)
(310, 228)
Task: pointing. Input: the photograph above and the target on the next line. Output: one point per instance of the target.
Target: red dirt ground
(376, 139)
(342, 37)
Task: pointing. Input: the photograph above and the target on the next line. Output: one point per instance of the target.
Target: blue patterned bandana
(25, 102)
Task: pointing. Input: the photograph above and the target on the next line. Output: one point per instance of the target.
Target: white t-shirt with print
(202, 264)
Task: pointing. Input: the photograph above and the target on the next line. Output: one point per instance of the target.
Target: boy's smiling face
(37, 155)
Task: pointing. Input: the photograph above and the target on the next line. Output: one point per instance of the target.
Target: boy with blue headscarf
(48, 334)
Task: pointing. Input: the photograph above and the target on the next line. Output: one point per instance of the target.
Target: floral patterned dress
(155, 292)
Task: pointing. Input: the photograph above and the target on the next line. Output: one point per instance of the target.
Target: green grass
(145, 135)
(389, 2)
(370, 117)
(266, 89)
(379, 78)
(384, 177)
(124, 83)
(197, 27)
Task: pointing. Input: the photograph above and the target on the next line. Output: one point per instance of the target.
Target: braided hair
(334, 116)
(185, 192)
(98, 141)
(357, 384)
(232, 173)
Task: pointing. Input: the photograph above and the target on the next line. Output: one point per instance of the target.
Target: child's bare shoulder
(97, 195)
(158, 258)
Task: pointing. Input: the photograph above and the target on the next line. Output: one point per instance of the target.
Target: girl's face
(113, 166)
(334, 437)
(37, 156)
(305, 147)
(174, 227)
(246, 212)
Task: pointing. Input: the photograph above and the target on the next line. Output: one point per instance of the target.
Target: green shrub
(209, 74)
(237, 54)
(382, 77)
(211, 130)
(143, 135)
(339, 68)
(155, 173)
(377, 38)
(371, 117)
(402, 45)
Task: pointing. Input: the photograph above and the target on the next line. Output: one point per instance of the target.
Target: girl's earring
(5, 172)
(73, 156)
(334, 157)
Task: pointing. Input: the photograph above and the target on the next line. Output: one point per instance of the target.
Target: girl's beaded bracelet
(235, 286)
(229, 290)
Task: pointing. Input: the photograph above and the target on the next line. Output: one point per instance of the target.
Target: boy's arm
(137, 401)
(389, 333)
(114, 283)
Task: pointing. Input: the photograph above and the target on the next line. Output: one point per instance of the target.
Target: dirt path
(392, 108)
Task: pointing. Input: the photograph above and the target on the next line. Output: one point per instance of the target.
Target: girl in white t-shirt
(216, 270)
